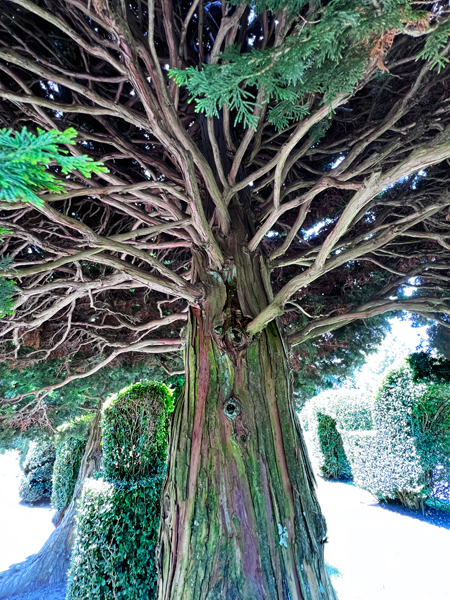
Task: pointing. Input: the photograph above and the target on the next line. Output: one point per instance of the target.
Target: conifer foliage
(25, 159)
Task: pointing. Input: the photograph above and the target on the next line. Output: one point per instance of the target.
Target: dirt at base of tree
(57, 592)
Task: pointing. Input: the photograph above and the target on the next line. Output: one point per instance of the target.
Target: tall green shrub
(336, 464)
(118, 515)
(71, 441)
(135, 426)
(36, 482)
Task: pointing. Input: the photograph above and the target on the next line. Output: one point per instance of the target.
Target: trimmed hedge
(135, 427)
(398, 445)
(408, 454)
(328, 418)
(117, 533)
(36, 482)
(336, 464)
(71, 441)
(65, 472)
(118, 516)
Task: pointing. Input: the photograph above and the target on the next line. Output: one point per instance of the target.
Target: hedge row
(408, 454)
(397, 445)
(71, 441)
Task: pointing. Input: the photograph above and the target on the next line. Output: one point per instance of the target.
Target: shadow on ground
(432, 516)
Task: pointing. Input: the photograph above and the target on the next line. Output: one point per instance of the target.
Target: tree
(276, 172)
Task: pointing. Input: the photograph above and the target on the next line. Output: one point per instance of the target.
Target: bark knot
(232, 408)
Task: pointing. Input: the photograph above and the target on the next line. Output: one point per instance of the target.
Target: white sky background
(397, 345)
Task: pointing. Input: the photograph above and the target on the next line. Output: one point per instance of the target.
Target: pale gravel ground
(53, 593)
(383, 553)
(24, 528)
(374, 553)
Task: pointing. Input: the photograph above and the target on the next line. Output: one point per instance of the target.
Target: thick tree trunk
(240, 517)
(50, 565)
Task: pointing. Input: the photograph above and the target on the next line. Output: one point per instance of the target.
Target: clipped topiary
(71, 441)
(135, 426)
(36, 482)
(336, 464)
(328, 419)
(118, 515)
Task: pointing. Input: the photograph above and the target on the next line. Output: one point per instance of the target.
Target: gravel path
(24, 528)
(52, 593)
(379, 552)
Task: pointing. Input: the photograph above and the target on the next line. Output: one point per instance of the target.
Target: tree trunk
(50, 565)
(240, 518)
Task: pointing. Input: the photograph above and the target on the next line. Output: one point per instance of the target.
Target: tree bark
(50, 565)
(240, 519)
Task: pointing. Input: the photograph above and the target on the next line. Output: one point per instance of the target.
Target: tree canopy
(327, 123)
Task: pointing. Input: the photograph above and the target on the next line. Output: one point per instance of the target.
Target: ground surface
(374, 552)
(24, 527)
(53, 593)
(383, 553)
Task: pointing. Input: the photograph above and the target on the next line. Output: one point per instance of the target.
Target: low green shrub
(328, 418)
(36, 482)
(118, 515)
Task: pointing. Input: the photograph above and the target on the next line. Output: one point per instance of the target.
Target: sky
(403, 340)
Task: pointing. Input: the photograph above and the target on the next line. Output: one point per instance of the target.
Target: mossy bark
(240, 517)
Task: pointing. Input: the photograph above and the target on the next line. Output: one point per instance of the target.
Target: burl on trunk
(240, 517)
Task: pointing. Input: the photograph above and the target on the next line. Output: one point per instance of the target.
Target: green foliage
(75, 398)
(408, 454)
(7, 288)
(65, 473)
(439, 337)
(114, 550)
(77, 429)
(327, 57)
(435, 43)
(26, 159)
(323, 363)
(426, 367)
(71, 441)
(118, 517)
(430, 427)
(336, 465)
(36, 482)
(328, 418)
(135, 425)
